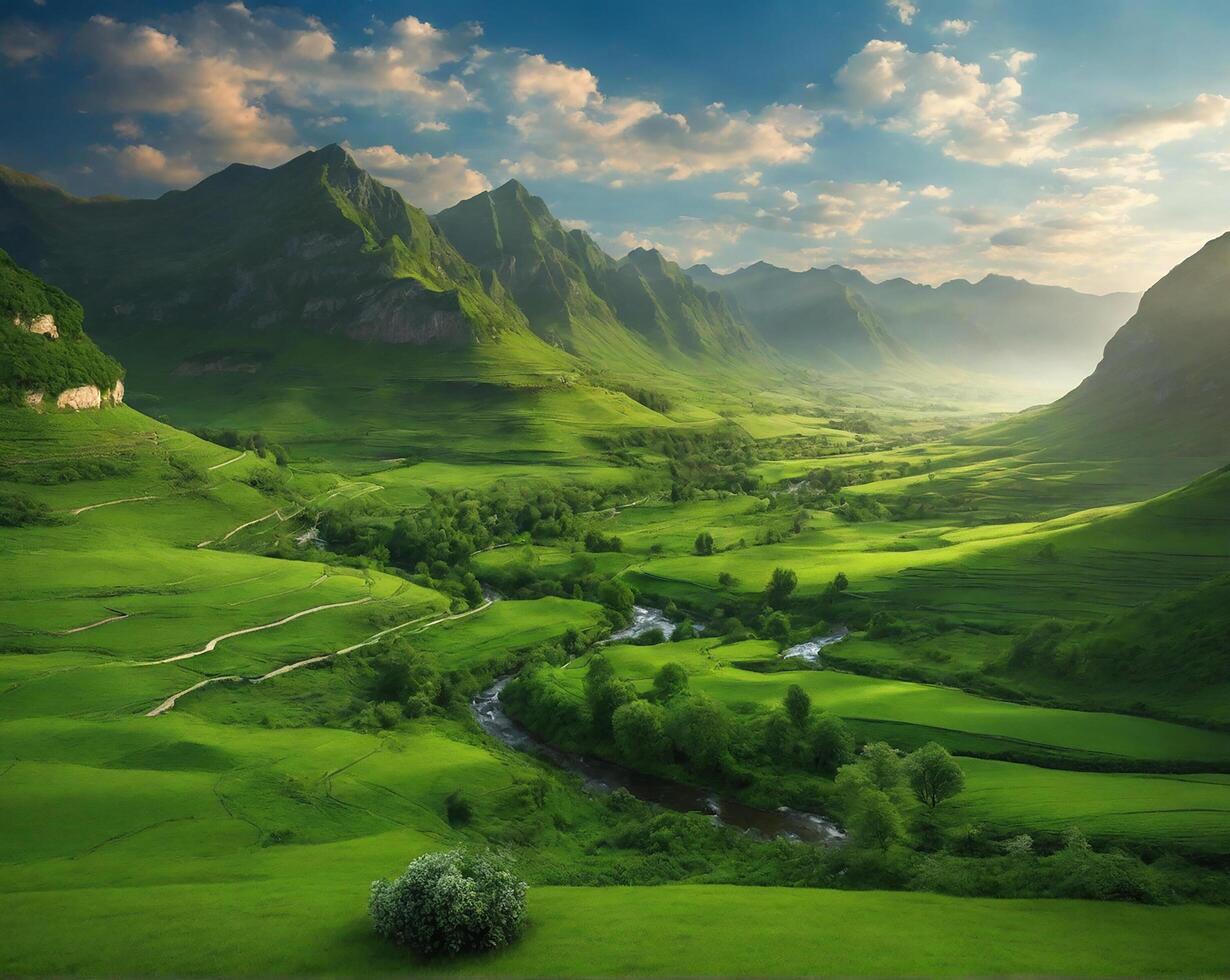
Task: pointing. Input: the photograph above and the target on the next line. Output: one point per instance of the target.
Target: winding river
(605, 777)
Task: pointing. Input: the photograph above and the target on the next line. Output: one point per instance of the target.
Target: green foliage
(704, 543)
(875, 821)
(19, 510)
(449, 902)
(699, 729)
(782, 584)
(639, 732)
(35, 362)
(670, 681)
(797, 705)
(934, 774)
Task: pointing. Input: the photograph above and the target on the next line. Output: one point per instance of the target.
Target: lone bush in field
(449, 902)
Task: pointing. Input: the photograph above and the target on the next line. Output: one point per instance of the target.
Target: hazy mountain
(1162, 387)
(577, 296)
(997, 325)
(810, 315)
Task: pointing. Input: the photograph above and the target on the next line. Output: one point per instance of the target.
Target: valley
(404, 533)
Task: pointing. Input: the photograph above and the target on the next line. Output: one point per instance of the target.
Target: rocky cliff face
(44, 323)
(81, 398)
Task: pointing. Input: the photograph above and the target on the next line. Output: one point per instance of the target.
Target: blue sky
(1078, 143)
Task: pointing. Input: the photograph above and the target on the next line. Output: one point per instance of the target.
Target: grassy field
(210, 927)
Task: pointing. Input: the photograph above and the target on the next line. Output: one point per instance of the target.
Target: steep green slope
(809, 315)
(578, 297)
(43, 347)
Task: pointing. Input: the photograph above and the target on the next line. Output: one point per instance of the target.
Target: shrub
(671, 679)
(637, 726)
(934, 774)
(18, 510)
(449, 902)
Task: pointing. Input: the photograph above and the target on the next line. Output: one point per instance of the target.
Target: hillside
(44, 352)
(809, 315)
(1162, 388)
(999, 326)
(578, 297)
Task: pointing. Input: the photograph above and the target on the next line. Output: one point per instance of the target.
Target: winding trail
(170, 702)
(110, 503)
(236, 459)
(235, 530)
(89, 626)
(208, 647)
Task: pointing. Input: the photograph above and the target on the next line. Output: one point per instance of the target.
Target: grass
(203, 928)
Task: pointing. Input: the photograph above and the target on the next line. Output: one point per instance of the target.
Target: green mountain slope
(1162, 388)
(308, 301)
(578, 297)
(810, 315)
(43, 348)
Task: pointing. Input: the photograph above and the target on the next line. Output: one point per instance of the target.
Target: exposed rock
(86, 396)
(44, 323)
(406, 312)
(34, 399)
(116, 395)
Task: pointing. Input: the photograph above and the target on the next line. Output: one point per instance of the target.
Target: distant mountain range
(998, 325)
(229, 283)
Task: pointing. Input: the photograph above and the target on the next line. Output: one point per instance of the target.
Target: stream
(606, 777)
(810, 650)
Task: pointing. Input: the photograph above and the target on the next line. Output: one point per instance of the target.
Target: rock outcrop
(81, 398)
(44, 323)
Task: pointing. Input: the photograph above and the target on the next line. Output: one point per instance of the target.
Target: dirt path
(170, 702)
(110, 503)
(236, 459)
(89, 626)
(235, 530)
(208, 647)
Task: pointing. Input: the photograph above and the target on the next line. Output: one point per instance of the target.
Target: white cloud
(936, 193)
(686, 242)
(1219, 158)
(731, 196)
(957, 27)
(829, 207)
(1131, 168)
(129, 129)
(431, 126)
(568, 126)
(565, 88)
(22, 42)
(224, 77)
(1014, 60)
(906, 10)
(1149, 128)
(939, 99)
(146, 162)
(429, 182)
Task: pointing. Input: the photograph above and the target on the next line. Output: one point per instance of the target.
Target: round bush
(449, 902)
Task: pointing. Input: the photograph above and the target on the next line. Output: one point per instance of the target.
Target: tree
(875, 821)
(604, 693)
(726, 580)
(782, 583)
(882, 765)
(830, 743)
(638, 731)
(704, 543)
(776, 626)
(934, 774)
(840, 582)
(618, 596)
(670, 680)
(699, 729)
(449, 902)
(797, 705)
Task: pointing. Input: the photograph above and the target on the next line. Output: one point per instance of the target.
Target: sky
(1083, 143)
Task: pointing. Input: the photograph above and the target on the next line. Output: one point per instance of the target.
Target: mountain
(1162, 388)
(581, 299)
(998, 325)
(308, 301)
(45, 355)
(315, 243)
(811, 315)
